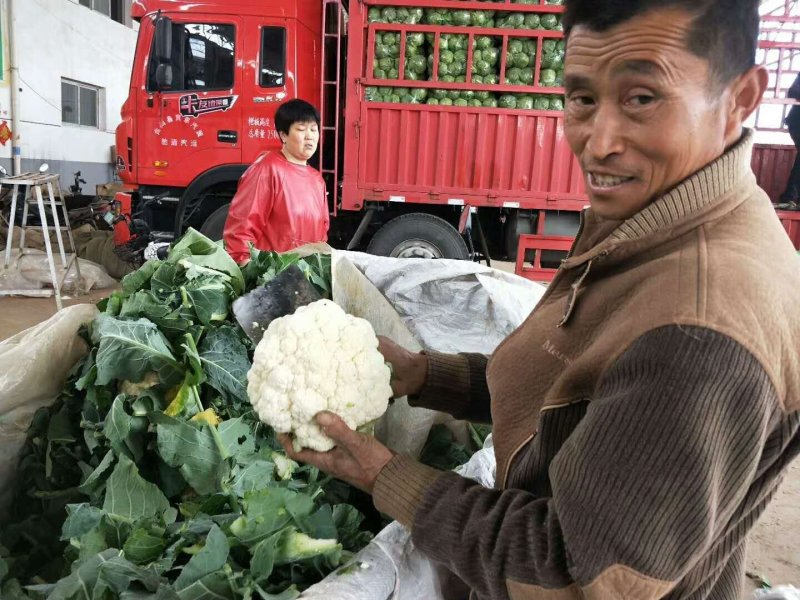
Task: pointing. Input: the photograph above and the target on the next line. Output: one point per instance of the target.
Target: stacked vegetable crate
(471, 53)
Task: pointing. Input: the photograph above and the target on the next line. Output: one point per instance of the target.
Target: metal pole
(16, 150)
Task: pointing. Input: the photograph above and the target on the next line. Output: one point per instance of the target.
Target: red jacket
(278, 206)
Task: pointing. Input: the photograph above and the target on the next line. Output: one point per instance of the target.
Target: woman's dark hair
(724, 32)
(295, 111)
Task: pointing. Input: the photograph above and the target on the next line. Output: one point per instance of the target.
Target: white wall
(61, 38)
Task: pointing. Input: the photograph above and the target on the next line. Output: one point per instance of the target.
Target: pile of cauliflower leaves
(152, 477)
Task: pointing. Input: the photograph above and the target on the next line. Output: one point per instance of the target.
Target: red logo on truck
(193, 105)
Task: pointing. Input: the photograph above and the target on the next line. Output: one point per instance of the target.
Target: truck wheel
(418, 235)
(214, 225)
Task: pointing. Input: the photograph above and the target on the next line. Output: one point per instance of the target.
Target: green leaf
(145, 304)
(12, 590)
(196, 249)
(175, 323)
(92, 542)
(163, 593)
(225, 363)
(88, 372)
(210, 297)
(133, 282)
(143, 547)
(61, 428)
(442, 451)
(118, 431)
(78, 585)
(182, 401)
(264, 265)
(117, 574)
(194, 366)
(165, 280)
(210, 559)
(128, 350)
(267, 511)
(111, 305)
(116, 530)
(237, 437)
(81, 518)
(348, 527)
(317, 269)
(263, 559)
(96, 481)
(290, 593)
(211, 587)
(320, 524)
(193, 451)
(171, 481)
(479, 433)
(253, 476)
(129, 496)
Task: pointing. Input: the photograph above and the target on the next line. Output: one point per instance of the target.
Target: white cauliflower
(319, 358)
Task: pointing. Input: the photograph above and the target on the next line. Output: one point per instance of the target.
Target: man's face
(642, 111)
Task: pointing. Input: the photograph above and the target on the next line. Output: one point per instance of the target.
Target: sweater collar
(678, 211)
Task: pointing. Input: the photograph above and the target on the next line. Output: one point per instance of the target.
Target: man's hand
(409, 370)
(357, 458)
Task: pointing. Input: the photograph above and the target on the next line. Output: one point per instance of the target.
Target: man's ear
(746, 93)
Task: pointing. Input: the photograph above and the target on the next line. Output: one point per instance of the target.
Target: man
(791, 196)
(281, 203)
(644, 413)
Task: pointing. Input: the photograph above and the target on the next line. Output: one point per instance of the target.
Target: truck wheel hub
(416, 249)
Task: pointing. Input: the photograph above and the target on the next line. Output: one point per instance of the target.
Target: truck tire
(214, 225)
(418, 235)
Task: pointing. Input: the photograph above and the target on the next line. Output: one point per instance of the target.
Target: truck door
(268, 81)
(193, 124)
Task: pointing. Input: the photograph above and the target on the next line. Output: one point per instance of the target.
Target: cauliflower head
(319, 358)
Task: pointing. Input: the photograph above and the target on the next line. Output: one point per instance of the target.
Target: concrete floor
(18, 313)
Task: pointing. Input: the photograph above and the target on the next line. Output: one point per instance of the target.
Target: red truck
(441, 129)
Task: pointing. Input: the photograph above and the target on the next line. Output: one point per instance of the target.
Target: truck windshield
(203, 57)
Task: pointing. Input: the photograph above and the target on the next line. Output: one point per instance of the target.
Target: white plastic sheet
(782, 592)
(451, 305)
(390, 567)
(33, 367)
(31, 271)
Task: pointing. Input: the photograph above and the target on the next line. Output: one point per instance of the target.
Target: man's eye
(580, 100)
(642, 100)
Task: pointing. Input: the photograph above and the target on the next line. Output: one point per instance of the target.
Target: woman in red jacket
(281, 201)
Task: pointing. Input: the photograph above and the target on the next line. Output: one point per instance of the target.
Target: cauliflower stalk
(295, 545)
(319, 358)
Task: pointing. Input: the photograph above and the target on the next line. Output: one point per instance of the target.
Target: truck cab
(204, 89)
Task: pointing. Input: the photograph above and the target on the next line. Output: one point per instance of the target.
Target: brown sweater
(643, 414)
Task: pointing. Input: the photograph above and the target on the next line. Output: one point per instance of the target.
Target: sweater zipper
(547, 293)
(529, 439)
(511, 458)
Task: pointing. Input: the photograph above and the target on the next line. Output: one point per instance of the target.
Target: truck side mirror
(164, 76)
(163, 40)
